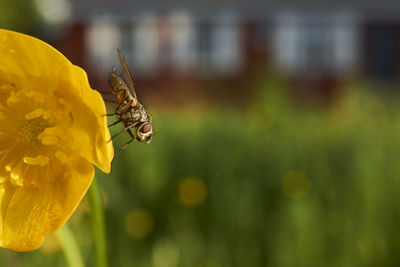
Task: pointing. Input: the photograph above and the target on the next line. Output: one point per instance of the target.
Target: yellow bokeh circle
(139, 223)
(192, 191)
(295, 184)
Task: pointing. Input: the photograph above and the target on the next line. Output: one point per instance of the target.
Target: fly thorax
(136, 115)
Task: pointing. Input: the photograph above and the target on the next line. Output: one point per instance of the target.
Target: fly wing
(128, 75)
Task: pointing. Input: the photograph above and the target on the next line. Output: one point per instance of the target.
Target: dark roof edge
(375, 10)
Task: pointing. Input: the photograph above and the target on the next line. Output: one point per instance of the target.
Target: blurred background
(277, 128)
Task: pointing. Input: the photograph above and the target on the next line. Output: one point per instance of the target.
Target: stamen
(18, 182)
(61, 156)
(16, 176)
(62, 101)
(38, 96)
(16, 172)
(39, 160)
(52, 135)
(46, 115)
(34, 114)
(15, 97)
(56, 131)
(49, 140)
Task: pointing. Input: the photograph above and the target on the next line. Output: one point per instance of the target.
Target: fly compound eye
(146, 127)
(148, 138)
(144, 133)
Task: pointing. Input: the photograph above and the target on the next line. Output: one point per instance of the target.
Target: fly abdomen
(116, 83)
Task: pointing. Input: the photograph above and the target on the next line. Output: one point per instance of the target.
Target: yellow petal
(31, 212)
(89, 127)
(6, 192)
(24, 54)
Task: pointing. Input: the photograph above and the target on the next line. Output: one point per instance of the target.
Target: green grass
(348, 151)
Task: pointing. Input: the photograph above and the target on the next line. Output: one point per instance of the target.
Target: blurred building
(316, 44)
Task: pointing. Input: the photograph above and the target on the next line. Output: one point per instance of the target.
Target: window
(183, 38)
(225, 45)
(316, 43)
(145, 45)
(102, 38)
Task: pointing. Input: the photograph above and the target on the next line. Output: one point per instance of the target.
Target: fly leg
(123, 111)
(114, 123)
(127, 143)
(111, 114)
(106, 92)
(123, 130)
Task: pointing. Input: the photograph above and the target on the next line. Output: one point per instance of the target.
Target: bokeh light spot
(192, 191)
(295, 184)
(54, 11)
(165, 253)
(139, 223)
(51, 244)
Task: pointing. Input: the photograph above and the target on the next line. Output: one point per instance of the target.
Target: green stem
(98, 225)
(70, 247)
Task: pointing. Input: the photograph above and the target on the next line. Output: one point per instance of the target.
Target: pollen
(29, 131)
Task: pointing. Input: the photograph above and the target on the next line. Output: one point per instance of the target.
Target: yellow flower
(51, 132)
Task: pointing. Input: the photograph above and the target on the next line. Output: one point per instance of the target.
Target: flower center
(29, 131)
